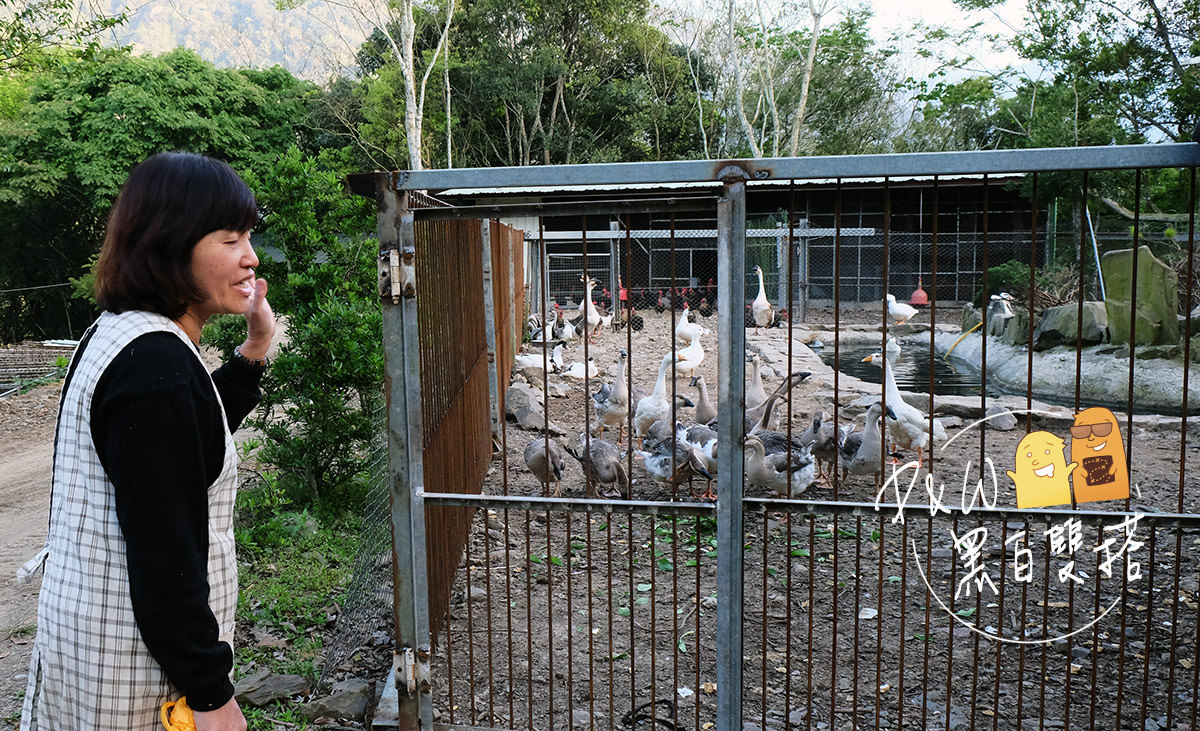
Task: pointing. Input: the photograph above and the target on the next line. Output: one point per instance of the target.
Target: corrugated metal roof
(705, 185)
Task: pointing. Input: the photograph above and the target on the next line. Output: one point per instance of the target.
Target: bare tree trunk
(446, 94)
(817, 10)
(739, 90)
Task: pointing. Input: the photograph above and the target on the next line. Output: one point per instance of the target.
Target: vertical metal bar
(402, 368)
(731, 275)
(489, 319)
(1187, 353)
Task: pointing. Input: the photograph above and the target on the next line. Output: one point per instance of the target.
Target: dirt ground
(573, 620)
(26, 447)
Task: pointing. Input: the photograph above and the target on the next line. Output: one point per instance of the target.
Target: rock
(1157, 297)
(1155, 352)
(532, 418)
(971, 316)
(1057, 325)
(1001, 419)
(521, 395)
(348, 699)
(1016, 331)
(558, 389)
(264, 688)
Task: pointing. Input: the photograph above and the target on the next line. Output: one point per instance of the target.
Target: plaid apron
(90, 669)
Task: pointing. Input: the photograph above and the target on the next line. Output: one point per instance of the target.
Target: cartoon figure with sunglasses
(1103, 472)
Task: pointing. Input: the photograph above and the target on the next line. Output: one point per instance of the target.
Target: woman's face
(223, 265)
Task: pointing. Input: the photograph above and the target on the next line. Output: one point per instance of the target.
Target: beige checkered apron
(90, 669)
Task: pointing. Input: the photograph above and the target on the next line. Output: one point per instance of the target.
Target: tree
(322, 394)
(28, 28)
(1127, 60)
(67, 147)
(394, 31)
(821, 88)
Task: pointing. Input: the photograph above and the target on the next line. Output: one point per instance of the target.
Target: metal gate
(952, 596)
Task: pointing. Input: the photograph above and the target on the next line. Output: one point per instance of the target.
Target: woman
(140, 585)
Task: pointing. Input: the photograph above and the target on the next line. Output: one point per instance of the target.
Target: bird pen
(1025, 553)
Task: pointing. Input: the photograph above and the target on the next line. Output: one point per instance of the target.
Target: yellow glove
(176, 716)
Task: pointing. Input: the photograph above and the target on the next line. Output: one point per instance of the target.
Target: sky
(1005, 20)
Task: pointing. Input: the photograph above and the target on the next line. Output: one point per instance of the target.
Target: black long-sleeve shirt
(157, 428)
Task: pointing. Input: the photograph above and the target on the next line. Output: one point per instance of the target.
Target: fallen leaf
(1186, 663)
(709, 688)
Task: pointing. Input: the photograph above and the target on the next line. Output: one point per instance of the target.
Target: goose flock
(636, 437)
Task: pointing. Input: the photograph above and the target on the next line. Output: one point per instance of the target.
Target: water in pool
(910, 368)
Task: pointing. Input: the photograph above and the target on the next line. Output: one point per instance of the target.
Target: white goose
(577, 370)
(763, 312)
(690, 357)
(534, 360)
(910, 426)
(687, 330)
(588, 310)
(656, 406)
(901, 312)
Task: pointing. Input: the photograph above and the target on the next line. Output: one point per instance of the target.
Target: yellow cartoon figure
(1042, 475)
(1103, 472)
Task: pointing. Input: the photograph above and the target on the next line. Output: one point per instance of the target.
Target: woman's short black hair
(170, 201)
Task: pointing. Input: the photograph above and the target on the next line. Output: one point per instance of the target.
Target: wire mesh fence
(583, 611)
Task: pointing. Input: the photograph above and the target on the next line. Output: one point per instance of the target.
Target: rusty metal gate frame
(401, 336)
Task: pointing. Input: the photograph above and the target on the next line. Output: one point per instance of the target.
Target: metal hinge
(406, 671)
(412, 670)
(397, 275)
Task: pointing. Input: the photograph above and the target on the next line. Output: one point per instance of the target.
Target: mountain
(315, 40)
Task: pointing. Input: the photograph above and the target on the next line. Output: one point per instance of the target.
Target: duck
(612, 402)
(656, 406)
(704, 439)
(674, 460)
(901, 312)
(761, 307)
(862, 451)
(577, 369)
(892, 347)
(538, 360)
(755, 393)
(601, 461)
(822, 438)
(687, 330)
(563, 329)
(690, 357)
(587, 309)
(909, 426)
(545, 461)
(775, 441)
(761, 414)
(787, 473)
(706, 411)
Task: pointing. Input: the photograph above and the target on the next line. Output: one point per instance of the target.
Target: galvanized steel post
(489, 317)
(731, 367)
(402, 364)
